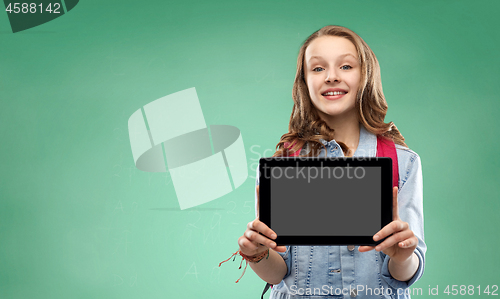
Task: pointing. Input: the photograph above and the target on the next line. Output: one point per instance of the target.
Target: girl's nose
(331, 76)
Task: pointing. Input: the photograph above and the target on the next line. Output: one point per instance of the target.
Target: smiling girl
(339, 110)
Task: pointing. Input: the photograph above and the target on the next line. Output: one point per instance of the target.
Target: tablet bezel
(266, 164)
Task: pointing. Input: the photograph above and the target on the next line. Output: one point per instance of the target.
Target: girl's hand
(401, 243)
(258, 237)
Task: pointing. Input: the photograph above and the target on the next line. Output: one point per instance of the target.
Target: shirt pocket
(309, 267)
(370, 277)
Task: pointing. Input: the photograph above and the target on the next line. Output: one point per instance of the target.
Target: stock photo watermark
(453, 290)
(24, 15)
(311, 172)
(353, 290)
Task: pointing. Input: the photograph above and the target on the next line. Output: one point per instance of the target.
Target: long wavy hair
(306, 127)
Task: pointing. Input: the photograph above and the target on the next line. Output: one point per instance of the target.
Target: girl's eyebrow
(340, 56)
(348, 54)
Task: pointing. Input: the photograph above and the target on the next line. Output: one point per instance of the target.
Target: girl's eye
(318, 69)
(346, 67)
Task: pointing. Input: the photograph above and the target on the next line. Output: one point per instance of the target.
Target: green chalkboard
(79, 220)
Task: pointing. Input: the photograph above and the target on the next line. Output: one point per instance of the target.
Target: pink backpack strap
(387, 148)
(294, 154)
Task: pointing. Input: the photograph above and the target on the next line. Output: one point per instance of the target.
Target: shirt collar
(367, 146)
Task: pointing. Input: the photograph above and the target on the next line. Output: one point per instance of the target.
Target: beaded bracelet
(251, 259)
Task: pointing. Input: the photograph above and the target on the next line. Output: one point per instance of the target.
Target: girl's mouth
(333, 95)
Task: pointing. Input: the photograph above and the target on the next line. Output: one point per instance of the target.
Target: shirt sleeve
(288, 260)
(410, 205)
(285, 255)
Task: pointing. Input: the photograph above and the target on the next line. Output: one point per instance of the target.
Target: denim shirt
(343, 271)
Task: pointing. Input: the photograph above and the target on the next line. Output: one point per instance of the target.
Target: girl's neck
(346, 131)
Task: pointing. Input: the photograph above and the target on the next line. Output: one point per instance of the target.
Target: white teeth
(334, 93)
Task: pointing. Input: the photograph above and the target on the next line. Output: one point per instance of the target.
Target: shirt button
(354, 293)
(350, 247)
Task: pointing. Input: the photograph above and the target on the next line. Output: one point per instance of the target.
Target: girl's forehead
(330, 47)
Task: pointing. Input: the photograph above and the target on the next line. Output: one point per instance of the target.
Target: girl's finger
(365, 248)
(391, 228)
(260, 239)
(247, 244)
(262, 228)
(280, 248)
(413, 241)
(401, 236)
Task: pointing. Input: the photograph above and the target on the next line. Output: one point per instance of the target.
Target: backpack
(385, 148)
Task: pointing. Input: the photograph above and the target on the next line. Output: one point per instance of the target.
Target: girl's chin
(335, 109)
(337, 113)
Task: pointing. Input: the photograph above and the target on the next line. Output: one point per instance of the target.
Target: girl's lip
(331, 98)
(334, 89)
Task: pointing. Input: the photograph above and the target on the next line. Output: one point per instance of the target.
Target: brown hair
(305, 124)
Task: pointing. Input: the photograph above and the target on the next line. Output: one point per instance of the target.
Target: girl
(339, 110)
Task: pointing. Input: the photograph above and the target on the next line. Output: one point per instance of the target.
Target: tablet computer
(325, 201)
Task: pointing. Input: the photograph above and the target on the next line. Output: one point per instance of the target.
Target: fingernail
(273, 244)
(376, 237)
(273, 236)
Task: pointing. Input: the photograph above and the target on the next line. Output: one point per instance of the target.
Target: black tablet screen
(326, 201)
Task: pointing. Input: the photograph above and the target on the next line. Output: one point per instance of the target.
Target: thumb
(395, 212)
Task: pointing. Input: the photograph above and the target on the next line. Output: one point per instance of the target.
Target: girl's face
(332, 74)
